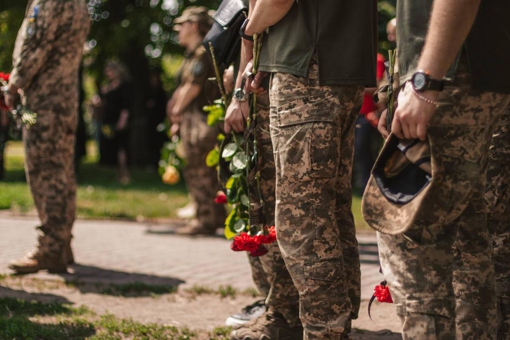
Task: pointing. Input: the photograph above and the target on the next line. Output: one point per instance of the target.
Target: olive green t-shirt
(343, 34)
(487, 47)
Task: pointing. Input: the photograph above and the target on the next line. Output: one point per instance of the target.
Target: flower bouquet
(238, 157)
(20, 114)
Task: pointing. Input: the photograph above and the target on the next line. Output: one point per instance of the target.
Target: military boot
(270, 326)
(37, 260)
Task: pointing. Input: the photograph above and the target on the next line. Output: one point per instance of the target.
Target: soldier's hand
(381, 125)
(255, 85)
(237, 113)
(175, 130)
(413, 113)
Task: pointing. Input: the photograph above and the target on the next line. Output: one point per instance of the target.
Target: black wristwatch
(422, 82)
(241, 31)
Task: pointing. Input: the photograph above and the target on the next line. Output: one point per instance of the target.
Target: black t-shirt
(117, 99)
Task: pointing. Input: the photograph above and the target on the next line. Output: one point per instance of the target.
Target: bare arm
(262, 14)
(266, 13)
(449, 26)
(187, 93)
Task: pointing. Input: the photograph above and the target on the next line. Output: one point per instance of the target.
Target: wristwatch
(422, 82)
(241, 31)
(240, 95)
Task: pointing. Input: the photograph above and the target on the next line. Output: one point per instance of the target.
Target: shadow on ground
(18, 309)
(89, 279)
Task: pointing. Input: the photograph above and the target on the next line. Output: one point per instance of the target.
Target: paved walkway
(120, 252)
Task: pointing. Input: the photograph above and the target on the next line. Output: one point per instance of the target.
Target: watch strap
(241, 31)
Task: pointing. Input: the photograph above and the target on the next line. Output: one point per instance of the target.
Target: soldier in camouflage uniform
(498, 203)
(46, 60)
(449, 249)
(312, 114)
(194, 91)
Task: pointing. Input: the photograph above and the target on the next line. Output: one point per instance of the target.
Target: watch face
(240, 95)
(419, 81)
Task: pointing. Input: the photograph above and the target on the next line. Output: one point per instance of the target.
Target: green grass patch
(101, 196)
(24, 320)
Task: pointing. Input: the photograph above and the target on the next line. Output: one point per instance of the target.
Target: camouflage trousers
(268, 271)
(498, 202)
(312, 130)
(440, 272)
(198, 139)
(49, 167)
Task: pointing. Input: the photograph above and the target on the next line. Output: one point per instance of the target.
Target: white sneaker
(248, 313)
(189, 211)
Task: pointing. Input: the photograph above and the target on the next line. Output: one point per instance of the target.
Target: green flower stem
(219, 78)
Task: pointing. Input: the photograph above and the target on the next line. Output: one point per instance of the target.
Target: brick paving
(121, 251)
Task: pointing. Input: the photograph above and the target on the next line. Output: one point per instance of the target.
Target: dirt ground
(198, 312)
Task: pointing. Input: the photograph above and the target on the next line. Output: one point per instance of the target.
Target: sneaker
(248, 313)
(189, 211)
(270, 326)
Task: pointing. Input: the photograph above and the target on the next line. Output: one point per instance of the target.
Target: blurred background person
(115, 102)
(189, 121)
(155, 110)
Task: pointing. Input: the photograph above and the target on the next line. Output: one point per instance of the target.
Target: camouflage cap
(198, 14)
(401, 179)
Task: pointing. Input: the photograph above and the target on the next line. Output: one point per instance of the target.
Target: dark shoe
(195, 228)
(36, 261)
(270, 326)
(248, 313)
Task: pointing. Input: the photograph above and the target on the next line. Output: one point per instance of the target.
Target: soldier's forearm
(266, 13)
(187, 94)
(449, 27)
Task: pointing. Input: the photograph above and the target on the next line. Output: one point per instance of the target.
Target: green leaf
(213, 158)
(245, 200)
(239, 226)
(230, 183)
(232, 195)
(229, 234)
(240, 161)
(237, 175)
(229, 150)
(229, 224)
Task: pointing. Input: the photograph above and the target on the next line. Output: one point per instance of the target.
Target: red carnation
(266, 239)
(221, 198)
(5, 76)
(382, 293)
(244, 242)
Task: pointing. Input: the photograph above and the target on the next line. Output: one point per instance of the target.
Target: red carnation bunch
(5, 78)
(254, 244)
(221, 198)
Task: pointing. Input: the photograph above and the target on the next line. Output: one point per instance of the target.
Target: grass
(31, 320)
(99, 193)
(101, 196)
(138, 289)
